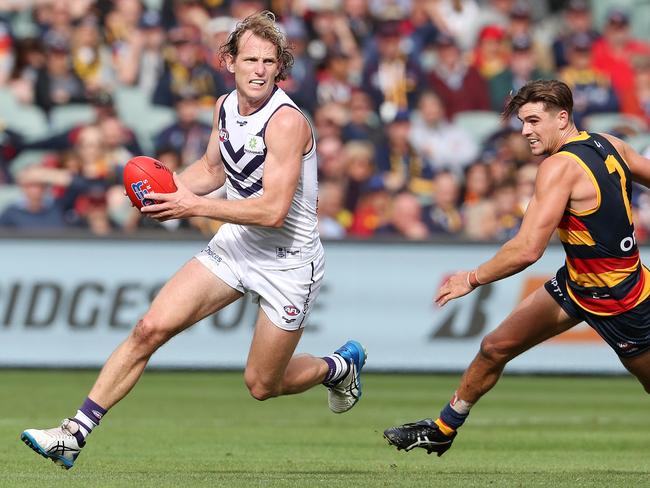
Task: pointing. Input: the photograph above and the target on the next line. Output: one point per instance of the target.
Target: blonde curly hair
(261, 24)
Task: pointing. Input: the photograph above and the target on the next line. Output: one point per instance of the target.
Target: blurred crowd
(404, 96)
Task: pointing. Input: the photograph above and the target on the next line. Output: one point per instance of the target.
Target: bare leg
(272, 370)
(639, 366)
(534, 320)
(190, 295)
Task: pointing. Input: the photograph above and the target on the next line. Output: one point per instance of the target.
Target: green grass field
(203, 429)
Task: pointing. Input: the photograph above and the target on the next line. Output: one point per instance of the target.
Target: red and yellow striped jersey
(605, 274)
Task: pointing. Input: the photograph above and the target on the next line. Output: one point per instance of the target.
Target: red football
(144, 175)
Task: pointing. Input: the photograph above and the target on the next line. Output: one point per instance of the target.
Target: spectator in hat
(372, 209)
(492, 51)
(459, 85)
(391, 79)
(521, 69)
(399, 164)
(186, 66)
(56, 82)
(188, 135)
(577, 19)
(521, 25)
(615, 53)
(592, 90)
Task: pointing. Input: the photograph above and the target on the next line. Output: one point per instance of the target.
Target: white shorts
(285, 296)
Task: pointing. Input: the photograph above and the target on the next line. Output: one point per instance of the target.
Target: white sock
(86, 425)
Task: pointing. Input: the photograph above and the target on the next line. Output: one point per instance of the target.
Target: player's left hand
(456, 286)
(177, 205)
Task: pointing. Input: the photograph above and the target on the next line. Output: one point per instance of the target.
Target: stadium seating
(640, 142)
(27, 120)
(65, 117)
(135, 109)
(8, 195)
(27, 158)
(480, 123)
(608, 122)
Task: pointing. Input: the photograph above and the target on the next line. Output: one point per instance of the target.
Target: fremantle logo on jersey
(254, 144)
(140, 190)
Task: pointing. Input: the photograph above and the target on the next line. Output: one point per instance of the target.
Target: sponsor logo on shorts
(223, 135)
(288, 320)
(291, 311)
(140, 190)
(626, 346)
(287, 252)
(212, 254)
(556, 287)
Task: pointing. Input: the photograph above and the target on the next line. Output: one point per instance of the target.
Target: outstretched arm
(555, 179)
(282, 168)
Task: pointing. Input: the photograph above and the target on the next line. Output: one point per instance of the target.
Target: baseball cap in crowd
(578, 6)
(521, 11)
(55, 42)
(521, 43)
(616, 16)
(402, 116)
(444, 40)
(581, 41)
(184, 34)
(388, 29)
(186, 93)
(492, 31)
(150, 19)
(375, 183)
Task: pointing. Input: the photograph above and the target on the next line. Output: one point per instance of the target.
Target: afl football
(143, 175)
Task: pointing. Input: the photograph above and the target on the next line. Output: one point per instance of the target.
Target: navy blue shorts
(627, 333)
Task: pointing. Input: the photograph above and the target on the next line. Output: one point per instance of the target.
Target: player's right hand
(456, 286)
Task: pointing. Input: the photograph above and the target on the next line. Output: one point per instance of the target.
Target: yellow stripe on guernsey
(576, 237)
(609, 279)
(589, 173)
